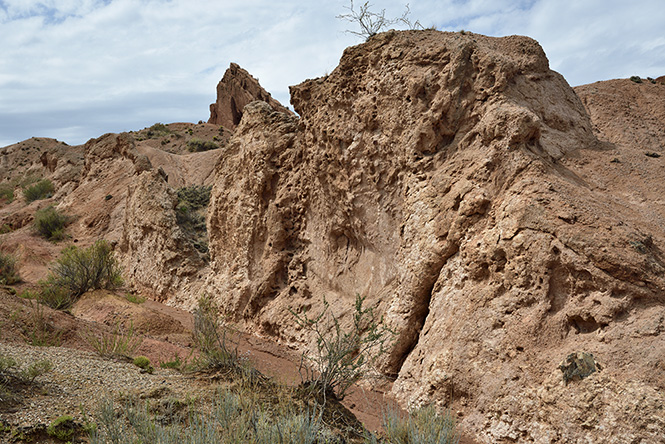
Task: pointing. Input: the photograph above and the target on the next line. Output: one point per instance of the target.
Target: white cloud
(78, 68)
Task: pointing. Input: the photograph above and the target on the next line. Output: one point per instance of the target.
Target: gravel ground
(78, 381)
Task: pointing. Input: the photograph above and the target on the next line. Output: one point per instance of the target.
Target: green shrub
(175, 364)
(342, 357)
(12, 375)
(50, 224)
(54, 295)
(8, 269)
(190, 214)
(134, 298)
(198, 145)
(41, 190)
(78, 271)
(158, 130)
(143, 363)
(636, 79)
(41, 332)
(63, 428)
(35, 370)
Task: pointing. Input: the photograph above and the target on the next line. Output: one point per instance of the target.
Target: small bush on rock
(158, 130)
(50, 224)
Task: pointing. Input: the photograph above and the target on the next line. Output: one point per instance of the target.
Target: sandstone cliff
(236, 89)
(443, 176)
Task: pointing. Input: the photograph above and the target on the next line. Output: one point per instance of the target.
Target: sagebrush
(40, 190)
(79, 270)
(50, 224)
(343, 356)
(233, 419)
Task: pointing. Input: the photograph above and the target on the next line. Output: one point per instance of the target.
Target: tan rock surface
(446, 177)
(236, 89)
(157, 258)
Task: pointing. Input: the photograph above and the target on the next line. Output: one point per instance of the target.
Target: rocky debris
(236, 89)
(578, 366)
(445, 176)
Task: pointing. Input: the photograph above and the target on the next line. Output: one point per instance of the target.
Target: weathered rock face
(236, 89)
(123, 198)
(443, 176)
(158, 259)
(111, 162)
(626, 113)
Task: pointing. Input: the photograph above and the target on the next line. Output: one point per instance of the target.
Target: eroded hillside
(499, 222)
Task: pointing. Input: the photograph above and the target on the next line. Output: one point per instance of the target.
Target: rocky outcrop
(236, 89)
(443, 176)
(157, 258)
(110, 163)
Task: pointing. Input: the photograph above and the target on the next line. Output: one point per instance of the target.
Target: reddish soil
(167, 333)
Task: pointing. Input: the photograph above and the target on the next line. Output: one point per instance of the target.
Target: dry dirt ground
(80, 377)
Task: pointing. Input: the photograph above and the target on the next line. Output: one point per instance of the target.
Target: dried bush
(371, 23)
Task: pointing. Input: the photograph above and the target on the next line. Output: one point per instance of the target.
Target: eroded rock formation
(157, 257)
(236, 89)
(444, 176)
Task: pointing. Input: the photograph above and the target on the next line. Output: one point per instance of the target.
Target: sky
(76, 69)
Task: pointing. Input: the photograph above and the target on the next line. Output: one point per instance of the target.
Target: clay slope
(118, 187)
(442, 175)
